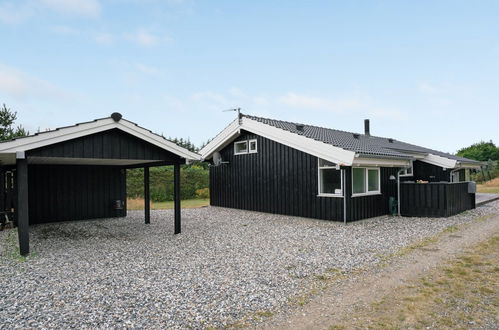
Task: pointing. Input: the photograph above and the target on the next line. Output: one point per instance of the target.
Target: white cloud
(19, 85)
(65, 30)
(320, 103)
(147, 69)
(88, 8)
(211, 97)
(261, 101)
(145, 38)
(14, 13)
(104, 38)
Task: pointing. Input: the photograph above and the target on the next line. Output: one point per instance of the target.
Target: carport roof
(15, 148)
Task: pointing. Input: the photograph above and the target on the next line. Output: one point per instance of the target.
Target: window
(252, 146)
(372, 180)
(245, 147)
(330, 179)
(365, 181)
(359, 180)
(241, 147)
(407, 171)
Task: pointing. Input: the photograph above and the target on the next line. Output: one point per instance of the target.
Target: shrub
(192, 178)
(203, 193)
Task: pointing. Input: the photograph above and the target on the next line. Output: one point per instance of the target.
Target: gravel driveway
(226, 264)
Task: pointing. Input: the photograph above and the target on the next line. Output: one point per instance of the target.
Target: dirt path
(365, 288)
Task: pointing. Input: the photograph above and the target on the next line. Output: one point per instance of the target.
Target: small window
(365, 181)
(330, 179)
(372, 180)
(359, 181)
(407, 171)
(253, 146)
(241, 147)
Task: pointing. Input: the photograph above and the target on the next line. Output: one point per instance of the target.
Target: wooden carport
(79, 172)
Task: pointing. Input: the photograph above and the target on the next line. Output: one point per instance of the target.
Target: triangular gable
(316, 148)
(24, 144)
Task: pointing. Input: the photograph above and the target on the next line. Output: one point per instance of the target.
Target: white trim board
(316, 148)
(380, 162)
(100, 125)
(439, 161)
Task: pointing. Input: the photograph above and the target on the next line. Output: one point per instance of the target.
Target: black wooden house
(294, 169)
(79, 172)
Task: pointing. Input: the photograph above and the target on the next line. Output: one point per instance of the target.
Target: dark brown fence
(441, 199)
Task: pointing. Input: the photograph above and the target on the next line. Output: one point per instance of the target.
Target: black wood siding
(282, 180)
(362, 207)
(277, 179)
(59, 193)
(111, 144)
(427, 172)
(435, 199)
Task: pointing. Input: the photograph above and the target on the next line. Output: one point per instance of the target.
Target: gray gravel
(226, 264)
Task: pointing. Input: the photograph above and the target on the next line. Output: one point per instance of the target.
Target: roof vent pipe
(366, 127)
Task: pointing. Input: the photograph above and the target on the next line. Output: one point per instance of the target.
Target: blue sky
(425, 72)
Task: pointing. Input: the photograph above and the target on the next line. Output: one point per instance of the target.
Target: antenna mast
(238, 110)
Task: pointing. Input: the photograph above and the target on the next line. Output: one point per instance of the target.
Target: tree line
(195, 177)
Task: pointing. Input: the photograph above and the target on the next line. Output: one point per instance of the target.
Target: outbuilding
(79, 172)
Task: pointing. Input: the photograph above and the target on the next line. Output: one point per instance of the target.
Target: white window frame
(366, 175)
(405, 170)
(319, 176)
(249, 146)
(241, 152)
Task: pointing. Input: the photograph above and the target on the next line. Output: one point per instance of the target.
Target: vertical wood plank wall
(427, 172)
(59, 193)
(282, 180)
(363, 207)
(435, 199)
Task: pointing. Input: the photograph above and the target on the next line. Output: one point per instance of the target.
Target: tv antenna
(238, 113)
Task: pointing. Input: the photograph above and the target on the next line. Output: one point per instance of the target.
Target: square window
(330, 181)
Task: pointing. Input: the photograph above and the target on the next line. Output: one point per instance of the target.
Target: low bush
(192, 179)
(203, 193)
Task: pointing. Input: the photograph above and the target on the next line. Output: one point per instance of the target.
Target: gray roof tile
(368, 145)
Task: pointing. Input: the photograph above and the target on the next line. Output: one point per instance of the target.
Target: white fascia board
(316, 148)
(469, 165)
(440, 161)
(381, 162)
(72, 132)
(221, 140)
(157, 140)
(56, 136)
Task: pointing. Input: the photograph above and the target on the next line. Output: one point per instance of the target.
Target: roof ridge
(316, 126)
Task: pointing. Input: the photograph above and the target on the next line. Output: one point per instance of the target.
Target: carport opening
(194, 190)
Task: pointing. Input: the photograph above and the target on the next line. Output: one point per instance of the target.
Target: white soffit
(380, 162)
(440, 161)
(469, 165)
(84, 129)
(221, 140)
(319, 149)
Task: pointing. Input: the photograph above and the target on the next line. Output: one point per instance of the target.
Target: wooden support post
(22, 206)
(176, 189)
(147, 198)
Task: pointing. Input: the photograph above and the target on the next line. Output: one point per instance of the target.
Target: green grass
(138, 204)
(456, 295)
